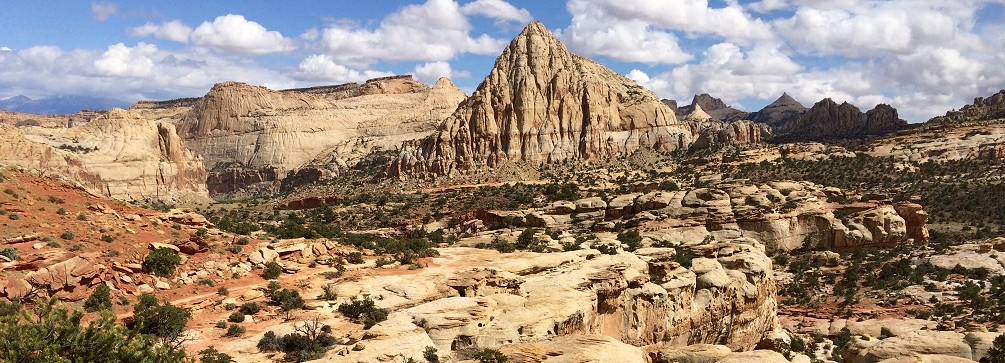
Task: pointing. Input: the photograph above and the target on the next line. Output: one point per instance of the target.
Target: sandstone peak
(785, 101)
(223, 106)
(708, 102)
(541, 103)
(698, 114)
(444, 82)
(829, 120)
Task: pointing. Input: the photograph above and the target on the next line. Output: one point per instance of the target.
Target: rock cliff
(253, 135)
(715, 107)
(982, 109)
(541, 103)
(829, 120)
(119, 155)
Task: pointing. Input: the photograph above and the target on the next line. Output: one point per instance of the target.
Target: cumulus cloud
(436, 30)
(173, 30)
(497, 9)
(127, 73)
(430, 72)
(593, 32)
(322, 68)
(765, 6)
(5, 49)
(235, 34)
(102, 10)
(732, 22)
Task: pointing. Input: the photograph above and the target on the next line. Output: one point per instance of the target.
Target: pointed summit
(785, 100)
(541, 103)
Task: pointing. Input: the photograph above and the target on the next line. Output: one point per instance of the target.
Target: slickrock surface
(135, 159)
(541, 103)
(781, 215)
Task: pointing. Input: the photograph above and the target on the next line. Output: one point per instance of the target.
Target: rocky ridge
(829, 120)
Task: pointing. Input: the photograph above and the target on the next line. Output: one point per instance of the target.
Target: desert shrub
(328, 292)
(221, 324)
(61, 211)
(309, 341)
(380, 262)
(681, 257)
(222, 291)
(249, 308)
(107, 238)
(243, 241)
(235, 330)
(287, 300)
(67, 235)
(76, 247)
(14, 216)
(526, 238)
(50, 334)
(607, 249)
(631, 238)
(10, 253)
(81, 217)
(490, 356)
(429, 354)
(56, 200)
(164, 321)
(354, 258)
(176, 226)
(363, 311)
(161, 261)
(236, 317)
(100, 299)
(211, 355)
(997, 352)
(272, 271)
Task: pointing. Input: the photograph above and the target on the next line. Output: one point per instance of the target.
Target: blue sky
(921, 56)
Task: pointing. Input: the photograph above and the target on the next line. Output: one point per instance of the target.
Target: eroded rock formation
(541, 103)
(119, 155)
(982, 109)
(781, 115)
(829, 120)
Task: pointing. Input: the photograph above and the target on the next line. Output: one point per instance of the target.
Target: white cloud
(173, 30)
(234, 34)
(732, 22)
(434, 31)
(5, 49)
(638, 76)
(594, 32)
(765, 6)
(322, 68)
(430, 72)
(102, 10)
(122, 61)
(497, 9)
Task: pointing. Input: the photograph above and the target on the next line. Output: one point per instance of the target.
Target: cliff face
(253, 135)
(119, 155)
(829, 120)
(715, 108)
(982, 109)
(541, 103)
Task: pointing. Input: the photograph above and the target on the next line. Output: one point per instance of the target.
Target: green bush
(490, 356)
(163, 321)
(429, 354)
(81, 217)
(236, 317)
(631, 238)
(54, 199)
(14, 216)
(107, 238)
(9, 252)
(211, 355)
(221, 324)
(222, 291)
(363, 311)
(355, 258)
(161, 261)
(100, 299)
(235, 330)
(50, 334)
(272, 271)
(997, 352)
(309, 341)
(287, 300)
(249, 308)
(328, 292)
(242, 241)
(61, 211)
(67, 235)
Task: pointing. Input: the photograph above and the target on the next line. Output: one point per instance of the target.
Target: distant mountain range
(59, 104)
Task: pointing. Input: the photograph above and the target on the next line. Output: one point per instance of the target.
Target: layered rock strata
(119, 155)
(541, 103)
(829, 120)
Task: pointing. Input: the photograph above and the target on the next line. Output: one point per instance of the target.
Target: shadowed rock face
(781, 115)
(829, 120)
(715, 108)
(541, 103)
